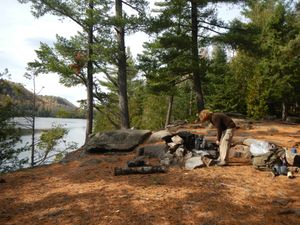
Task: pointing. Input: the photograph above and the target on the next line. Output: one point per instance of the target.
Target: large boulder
(116, 140)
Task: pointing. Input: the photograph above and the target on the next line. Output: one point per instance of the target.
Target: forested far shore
(45, 106)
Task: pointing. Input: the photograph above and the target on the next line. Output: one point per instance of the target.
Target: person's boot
(222, 163)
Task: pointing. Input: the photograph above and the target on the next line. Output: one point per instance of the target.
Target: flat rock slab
(116, 140)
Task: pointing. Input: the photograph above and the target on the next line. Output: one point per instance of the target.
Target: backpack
(188, 139)
(267, 160)
(292, 158)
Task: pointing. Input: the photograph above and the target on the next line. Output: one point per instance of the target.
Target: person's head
(204, 115)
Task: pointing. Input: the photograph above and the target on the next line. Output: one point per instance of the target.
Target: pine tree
(181, 28)
(95, 48)
(89, 15)
(266, 40)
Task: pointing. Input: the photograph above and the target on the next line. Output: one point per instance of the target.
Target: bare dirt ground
(85, 191)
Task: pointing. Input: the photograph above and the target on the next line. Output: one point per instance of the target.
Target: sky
(21, 34)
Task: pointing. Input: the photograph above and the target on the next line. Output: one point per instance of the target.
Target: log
(139, 170)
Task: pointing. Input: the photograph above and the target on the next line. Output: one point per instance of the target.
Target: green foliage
(61, 113)
(184, 107)
(257, 97)
(137, 97)
(9, 136)
(261, 76)
(154, 111)
(264, 61)
(93, 51)
(49, 141)
(226, 81)
(59, 157)
(217, 88)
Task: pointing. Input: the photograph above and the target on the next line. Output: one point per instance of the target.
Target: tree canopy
(185, 65)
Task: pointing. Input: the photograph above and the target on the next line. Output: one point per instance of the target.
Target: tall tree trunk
(90, 114)
(191, 102)
(284, 111)
(195, 57)
(169, 113)
(122, 73)
(33, 124)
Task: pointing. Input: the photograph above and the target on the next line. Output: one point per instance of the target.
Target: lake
(76, 132)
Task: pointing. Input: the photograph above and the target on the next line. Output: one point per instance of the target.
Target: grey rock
(293, 119)
(194, 162)
(117, 140)
(166, 159)
(179, 153)
(74, 155)
(173, 146)
(188, 155)
(153, 151)
(158, 136)
(200, 152)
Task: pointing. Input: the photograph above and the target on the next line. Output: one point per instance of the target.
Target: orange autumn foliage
(80, 61)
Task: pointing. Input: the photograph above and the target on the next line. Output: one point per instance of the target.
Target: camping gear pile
(190, 151)
(280, 161)
(182, 149)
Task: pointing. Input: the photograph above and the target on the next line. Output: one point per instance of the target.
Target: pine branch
(108, 117)
(185, 78)
(221, 26)
(62, 12)
(110, 78)
(133, 7)
(207, 28)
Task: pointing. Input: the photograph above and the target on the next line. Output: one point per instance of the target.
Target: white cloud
(21, 35)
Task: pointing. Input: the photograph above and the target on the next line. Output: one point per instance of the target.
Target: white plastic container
(259, 147)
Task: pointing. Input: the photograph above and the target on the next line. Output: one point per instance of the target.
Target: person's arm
(216, 121)
(219, 133)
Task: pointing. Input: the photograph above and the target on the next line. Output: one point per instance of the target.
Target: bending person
(225, 129)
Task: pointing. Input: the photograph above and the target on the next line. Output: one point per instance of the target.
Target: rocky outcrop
(117, 140)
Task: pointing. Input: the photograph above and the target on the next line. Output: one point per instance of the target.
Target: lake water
(76, 132)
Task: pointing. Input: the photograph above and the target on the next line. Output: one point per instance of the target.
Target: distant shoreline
(27, 131)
